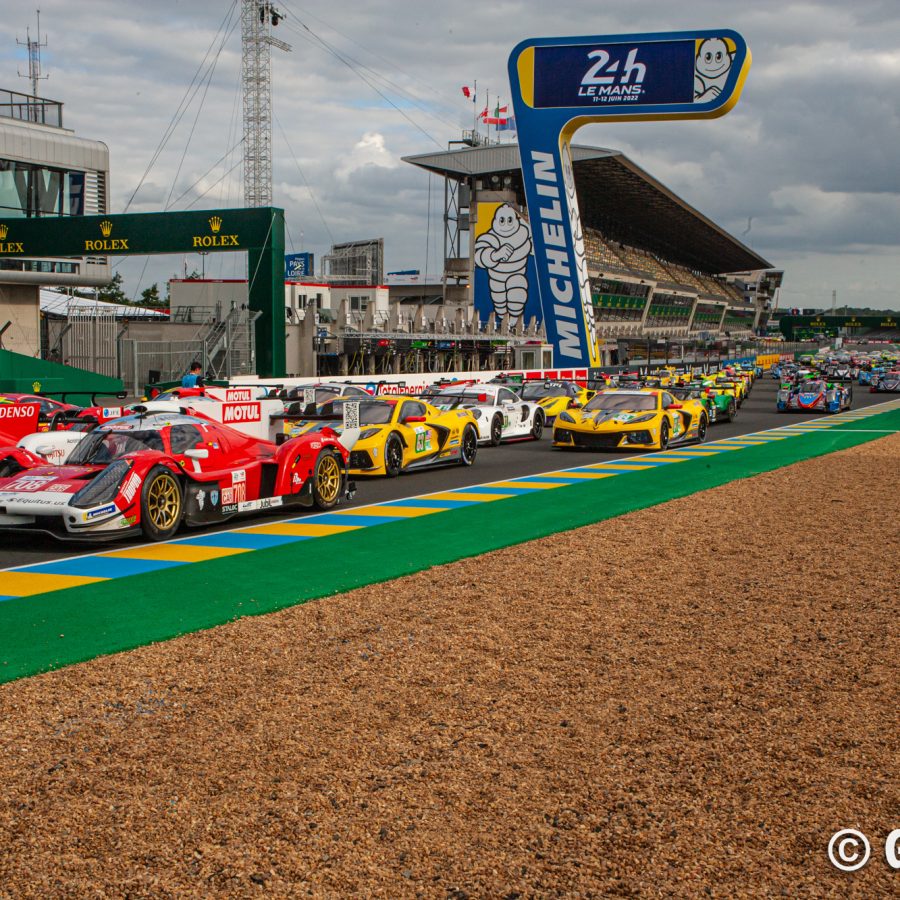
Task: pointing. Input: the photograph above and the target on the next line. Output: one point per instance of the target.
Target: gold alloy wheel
(328, 478)
(163, 502)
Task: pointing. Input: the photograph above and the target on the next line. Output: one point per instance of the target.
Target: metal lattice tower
(258, 18)
(34, 57)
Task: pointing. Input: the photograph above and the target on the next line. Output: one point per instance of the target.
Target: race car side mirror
(409, 419)
(197, 453)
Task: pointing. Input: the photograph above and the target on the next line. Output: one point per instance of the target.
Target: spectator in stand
(194, 378)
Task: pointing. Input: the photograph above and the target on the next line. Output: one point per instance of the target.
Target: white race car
(501, 415)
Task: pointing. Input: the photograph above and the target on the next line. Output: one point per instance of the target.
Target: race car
(399, 434)
(814, 395)
(500, 415)
(321, 392)
(555, 396)
(841, 371)
(631, 419)
(720, 406)
(886, 382)
(152, 473)
(47, 408)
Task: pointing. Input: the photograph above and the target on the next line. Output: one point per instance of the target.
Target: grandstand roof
(56, 304)
(622, 201)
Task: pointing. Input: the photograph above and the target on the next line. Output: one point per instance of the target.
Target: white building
(45, 170)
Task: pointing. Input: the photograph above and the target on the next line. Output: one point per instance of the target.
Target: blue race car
(814, 396)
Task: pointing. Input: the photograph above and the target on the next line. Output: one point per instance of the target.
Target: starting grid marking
(141, 559)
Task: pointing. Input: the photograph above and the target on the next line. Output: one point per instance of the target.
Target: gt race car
(814, 395)
(555, 396)
(500, 415)
(151, 474)
(631, 419)
(397, 434)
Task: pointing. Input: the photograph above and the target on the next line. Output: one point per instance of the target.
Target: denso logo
(238, 395)
(241, 412)
(14, 411)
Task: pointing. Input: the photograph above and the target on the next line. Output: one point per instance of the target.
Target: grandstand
(658, 267)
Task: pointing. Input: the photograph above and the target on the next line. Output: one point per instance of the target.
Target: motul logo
(241, 412)
(12, 411)
(238, 395)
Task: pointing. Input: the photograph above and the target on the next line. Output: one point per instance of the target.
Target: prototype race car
(152, 473)
(500, 415)
(555, 396)
(720, 406)
(813, 395)
(398, 434)
(886, 382)
(47, 408)
(629, 419)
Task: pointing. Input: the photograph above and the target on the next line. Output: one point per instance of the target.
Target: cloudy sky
(806, 169)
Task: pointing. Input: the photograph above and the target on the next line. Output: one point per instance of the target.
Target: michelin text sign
(560, 84)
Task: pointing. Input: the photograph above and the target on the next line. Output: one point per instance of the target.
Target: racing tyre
(496, 430)
(702, 429)
(537, 427)
(732, 411)
(162, 504)
(328, 479)
(469, 446)
(664, 436)
(393, 456)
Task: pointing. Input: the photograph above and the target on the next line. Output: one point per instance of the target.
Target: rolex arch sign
(259, 231)
(561, 84)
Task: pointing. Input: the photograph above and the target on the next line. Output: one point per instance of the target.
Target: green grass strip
(47, 631)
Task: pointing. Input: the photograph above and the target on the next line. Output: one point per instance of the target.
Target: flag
(483, 115)
(507, 124)
(467, 92)
(498, 112)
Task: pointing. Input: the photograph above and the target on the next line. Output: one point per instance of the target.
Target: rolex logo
(3, 230)
(107, 243)
(215, 223)
(106, 227)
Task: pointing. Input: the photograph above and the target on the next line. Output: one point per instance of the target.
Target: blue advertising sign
(590, 74)
(298, 265)
(560, 84)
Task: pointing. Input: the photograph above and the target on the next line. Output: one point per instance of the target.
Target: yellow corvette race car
(555, 396)
(631, 420)
(398, 434)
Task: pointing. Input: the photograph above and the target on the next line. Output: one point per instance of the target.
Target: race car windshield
(811, 387)
(451, 401)
(614, 402)
(106, 446)
(539, 391)
(323, 394)
(372, 413)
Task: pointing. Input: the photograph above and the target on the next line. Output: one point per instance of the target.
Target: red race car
(48, 408)
(152, 473)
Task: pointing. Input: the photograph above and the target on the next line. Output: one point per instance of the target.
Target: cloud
(809, 152)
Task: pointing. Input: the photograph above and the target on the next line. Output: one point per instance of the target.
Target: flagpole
(475, 109)
(487, 118)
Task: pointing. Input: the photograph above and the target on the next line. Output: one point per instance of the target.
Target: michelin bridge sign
(560, 84)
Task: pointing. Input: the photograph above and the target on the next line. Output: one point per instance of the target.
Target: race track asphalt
(492, 464)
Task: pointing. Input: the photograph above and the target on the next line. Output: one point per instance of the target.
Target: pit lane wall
(413, 383)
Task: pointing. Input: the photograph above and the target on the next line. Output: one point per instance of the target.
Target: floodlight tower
(258, 18)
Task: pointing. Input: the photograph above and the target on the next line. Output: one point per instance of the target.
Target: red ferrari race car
(151, 473)
(47, 408)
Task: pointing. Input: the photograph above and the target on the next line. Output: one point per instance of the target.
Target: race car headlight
(368, 433)
(476, 413)
(104, 487)
(565, 417)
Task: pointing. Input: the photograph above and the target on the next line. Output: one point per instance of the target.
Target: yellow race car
(631, 420)
(398, 434)
(555, 396)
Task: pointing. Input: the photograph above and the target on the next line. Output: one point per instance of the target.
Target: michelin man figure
(711, 68)
(503, 251)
